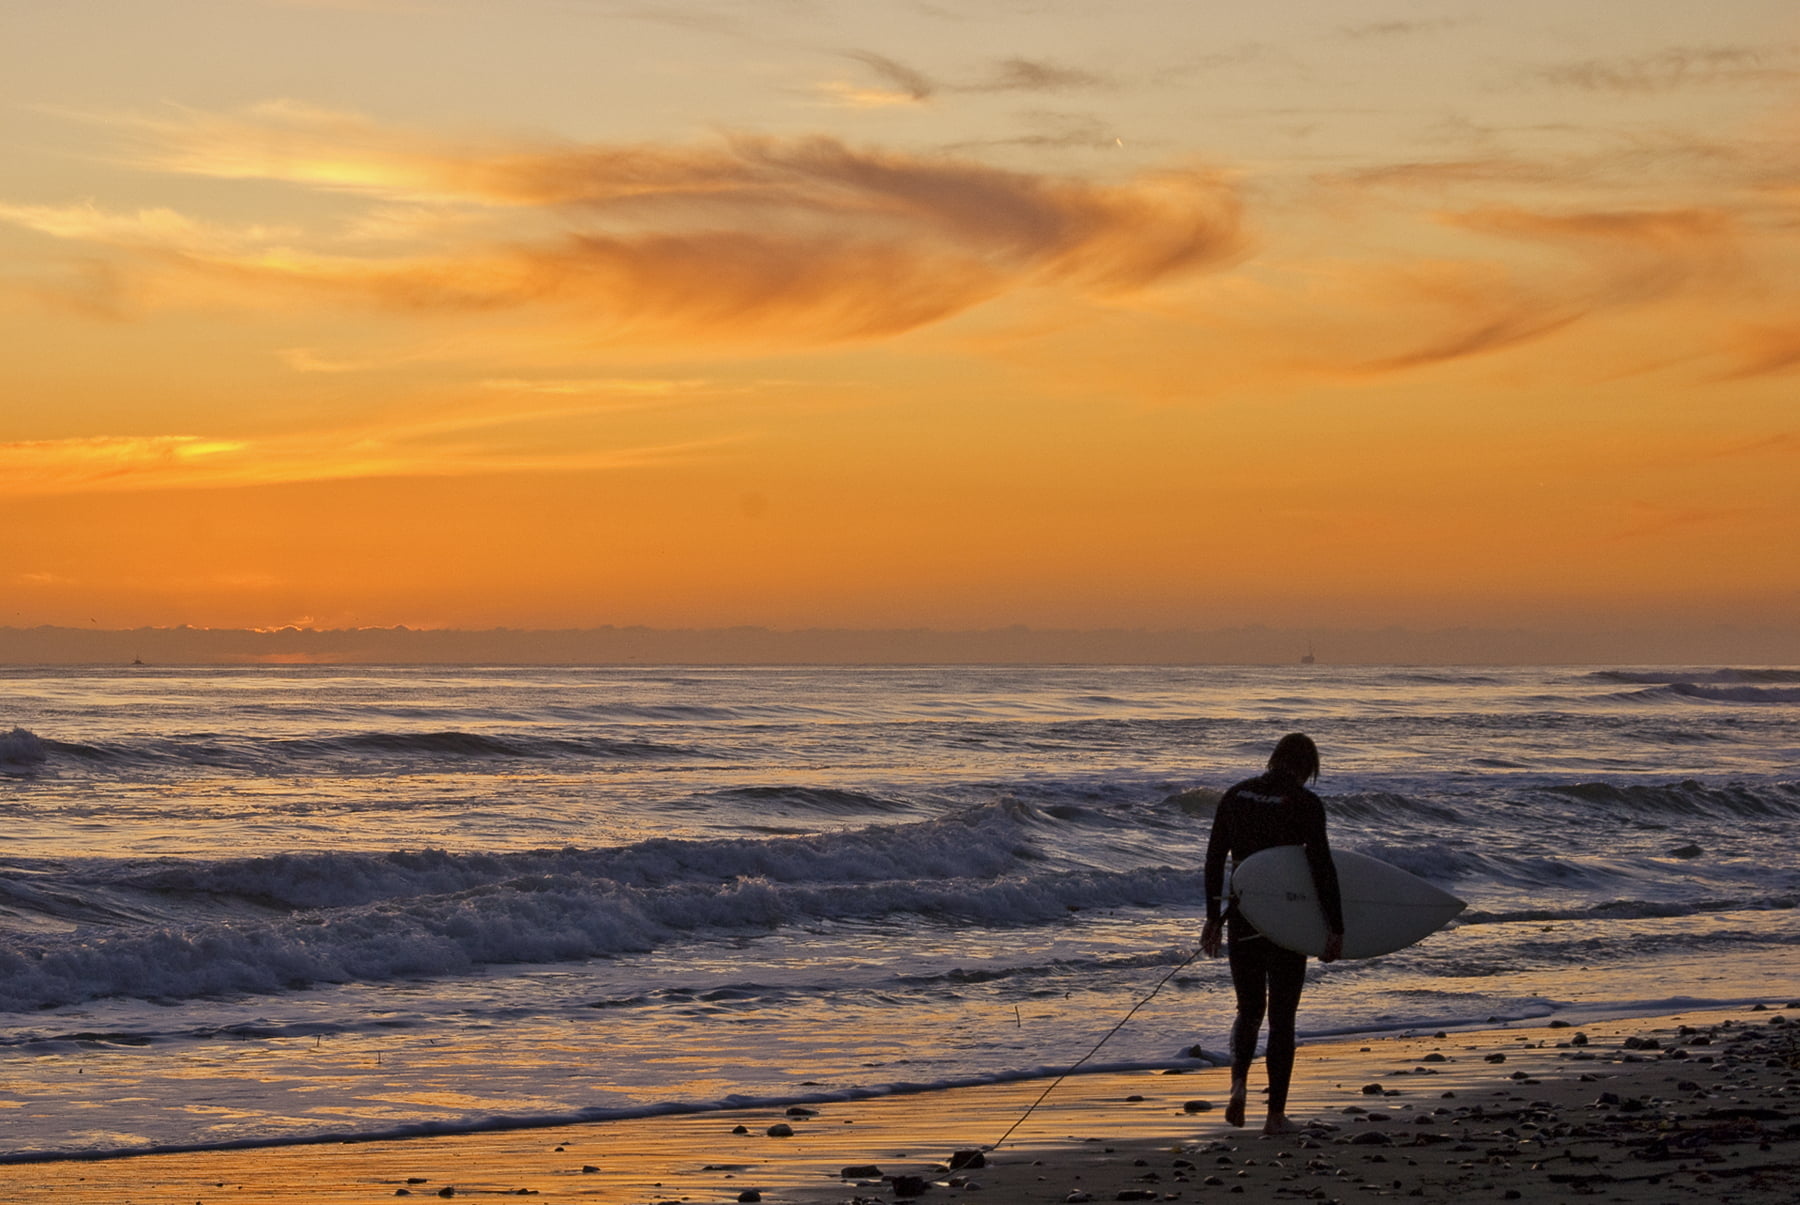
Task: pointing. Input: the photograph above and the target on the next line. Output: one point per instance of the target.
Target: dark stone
(963, 1160)
(1197, 1106)
(861, 1171)
(1495, 1057)
(1372, 1138)
(740, 1129)
(588, 1169)
(1135, 1194)
(780, 1129)
(1372, 1090)
(749, 1196)
(801, 1111)
(910, 1186)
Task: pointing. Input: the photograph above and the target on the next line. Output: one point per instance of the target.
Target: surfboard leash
(1073, 1067)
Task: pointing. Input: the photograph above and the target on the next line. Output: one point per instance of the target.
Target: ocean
(256, 905)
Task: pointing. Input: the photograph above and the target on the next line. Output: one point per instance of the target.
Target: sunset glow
(456, 314)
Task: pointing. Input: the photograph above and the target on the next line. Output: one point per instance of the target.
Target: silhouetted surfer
(1271, 809)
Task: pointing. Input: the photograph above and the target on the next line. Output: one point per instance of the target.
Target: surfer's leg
(1287, 976)
(1249, 979)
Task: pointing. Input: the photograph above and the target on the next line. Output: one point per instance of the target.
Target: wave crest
(21, 749)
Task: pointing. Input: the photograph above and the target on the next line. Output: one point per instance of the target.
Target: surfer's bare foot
(1279, 1124)
(1234, 1108)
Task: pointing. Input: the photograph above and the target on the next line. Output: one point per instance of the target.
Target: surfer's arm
(1217, 846)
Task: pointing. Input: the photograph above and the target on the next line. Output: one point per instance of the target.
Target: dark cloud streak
(1674, 69)
(896, 74)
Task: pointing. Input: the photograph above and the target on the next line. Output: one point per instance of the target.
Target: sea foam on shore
(1703, 1104)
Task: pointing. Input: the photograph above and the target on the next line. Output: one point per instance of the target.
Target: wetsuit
(1260, 812)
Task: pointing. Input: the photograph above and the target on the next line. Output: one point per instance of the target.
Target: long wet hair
(1295, 757)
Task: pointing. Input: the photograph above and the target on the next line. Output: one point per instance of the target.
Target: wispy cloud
(900, 84)
(630, 388)
(456, 444)
(900, 80)
(1375, 30)
(1675, 68)
(1766, 351)
(1637, 255)
(52, 466)
(1443, 173)
(1035, 75)
(160, 227)
(809, 239)
(1441, 311)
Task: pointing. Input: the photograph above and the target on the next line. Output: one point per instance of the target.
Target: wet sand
(1701, 1106)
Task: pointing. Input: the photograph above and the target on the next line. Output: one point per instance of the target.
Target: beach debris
(780, 1129)
(964, 1160)
(1197, 1106)
(861, 1171)
(909, 1186)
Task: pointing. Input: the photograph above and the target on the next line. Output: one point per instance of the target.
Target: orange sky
(547, 314)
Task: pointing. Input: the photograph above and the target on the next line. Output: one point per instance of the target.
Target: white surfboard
(1385, 908)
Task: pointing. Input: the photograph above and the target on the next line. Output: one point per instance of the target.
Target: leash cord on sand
(1096, 1050)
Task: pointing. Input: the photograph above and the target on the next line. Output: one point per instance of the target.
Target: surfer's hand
(1209, 938)
(1334, 947)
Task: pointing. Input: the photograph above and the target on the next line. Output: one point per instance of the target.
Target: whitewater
(253, 905)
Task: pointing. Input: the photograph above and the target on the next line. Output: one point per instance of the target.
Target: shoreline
(1705, 1101)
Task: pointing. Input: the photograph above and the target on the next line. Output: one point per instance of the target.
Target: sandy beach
(1700, 1106)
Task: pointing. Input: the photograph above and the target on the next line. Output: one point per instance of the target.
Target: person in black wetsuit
(1274, 808)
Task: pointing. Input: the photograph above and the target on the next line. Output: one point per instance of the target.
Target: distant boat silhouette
(1308, 659)
(137, 660)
